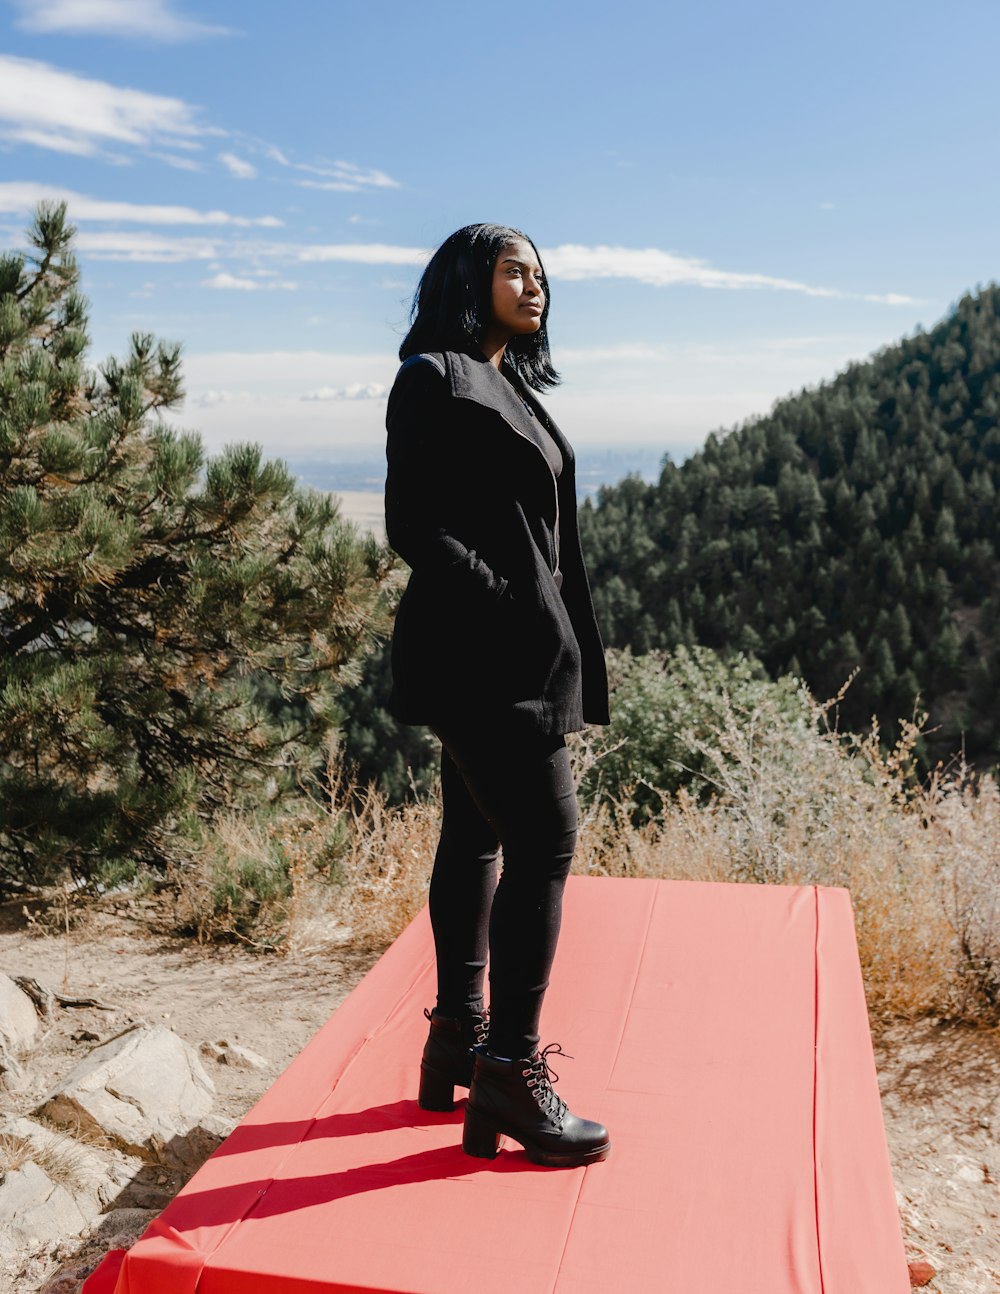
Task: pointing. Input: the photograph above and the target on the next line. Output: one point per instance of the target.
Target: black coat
(482, 631)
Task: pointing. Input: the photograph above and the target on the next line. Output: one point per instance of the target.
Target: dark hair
(452, 304)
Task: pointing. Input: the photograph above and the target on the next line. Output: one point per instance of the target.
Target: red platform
(721, 1034)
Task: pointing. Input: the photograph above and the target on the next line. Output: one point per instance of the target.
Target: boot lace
(481, 1028)
(541, 1076)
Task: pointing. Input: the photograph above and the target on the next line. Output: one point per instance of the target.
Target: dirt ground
(940, 1082)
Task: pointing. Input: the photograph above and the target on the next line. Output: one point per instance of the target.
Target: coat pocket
(539, 642)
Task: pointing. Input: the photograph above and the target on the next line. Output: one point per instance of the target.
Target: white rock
(35, 1210)
(18, 1018)
(231, 1053)
(13, 1077)
(144, 1090)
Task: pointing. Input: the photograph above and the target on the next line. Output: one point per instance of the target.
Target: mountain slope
(853, 527)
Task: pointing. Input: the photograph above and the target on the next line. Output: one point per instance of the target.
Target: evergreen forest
(851, 533)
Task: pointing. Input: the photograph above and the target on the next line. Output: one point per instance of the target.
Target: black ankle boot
(447, 1058)
(515, 1097)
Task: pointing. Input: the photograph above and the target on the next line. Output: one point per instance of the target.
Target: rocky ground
(230, 1021)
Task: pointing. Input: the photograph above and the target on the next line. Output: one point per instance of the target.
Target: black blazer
(482, 630)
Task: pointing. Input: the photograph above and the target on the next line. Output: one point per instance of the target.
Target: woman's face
(518, 290)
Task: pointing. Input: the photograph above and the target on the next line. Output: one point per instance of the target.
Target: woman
(496, 649)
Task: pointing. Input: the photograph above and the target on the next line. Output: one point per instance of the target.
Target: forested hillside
(855, 527)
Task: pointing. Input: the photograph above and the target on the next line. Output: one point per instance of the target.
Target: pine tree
(143, 590)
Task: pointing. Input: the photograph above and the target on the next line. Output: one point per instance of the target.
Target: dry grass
(351, 871)
(56, 1156)
(800, 804)
(791, 803)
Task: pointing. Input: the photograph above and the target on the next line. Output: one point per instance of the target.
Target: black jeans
(499, 789)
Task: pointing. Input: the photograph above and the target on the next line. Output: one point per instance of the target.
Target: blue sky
(733, 200)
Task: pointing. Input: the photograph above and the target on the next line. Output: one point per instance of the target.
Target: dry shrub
(233, 883)
(352, 870)
(798, 803)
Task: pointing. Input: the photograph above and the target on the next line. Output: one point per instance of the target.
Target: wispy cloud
(177, 162)
(363, 253)
(240, 284)
(339, 177)
(569, 262)
(238, 167)
(118, 245)
(787, 351)
(150, 19)
(349, 186)
(49, 108)
(666, 269)
(320, 174)
(356, 391)
(21, 197)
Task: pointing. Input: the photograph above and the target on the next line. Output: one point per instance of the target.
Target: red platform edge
(677, 991)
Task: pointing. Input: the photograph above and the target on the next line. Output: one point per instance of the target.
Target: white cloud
(356, 391)
(119, 245)
(232, 281)
(574, 262)
(22, 196)
(223, 280)
(144, 18)
(660, 269)
(286, 373)
(340, 186)
(665, 269)
(257, 395)
(209, 399)
(238, 167)
(363, 253)
(673, 363)
(571, 262)
(49, 139)
(50, 108)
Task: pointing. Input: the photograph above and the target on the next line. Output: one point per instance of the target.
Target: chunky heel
(480, 1137)
(437, 1090)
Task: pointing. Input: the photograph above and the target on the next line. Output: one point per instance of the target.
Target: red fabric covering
(720, 1032)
